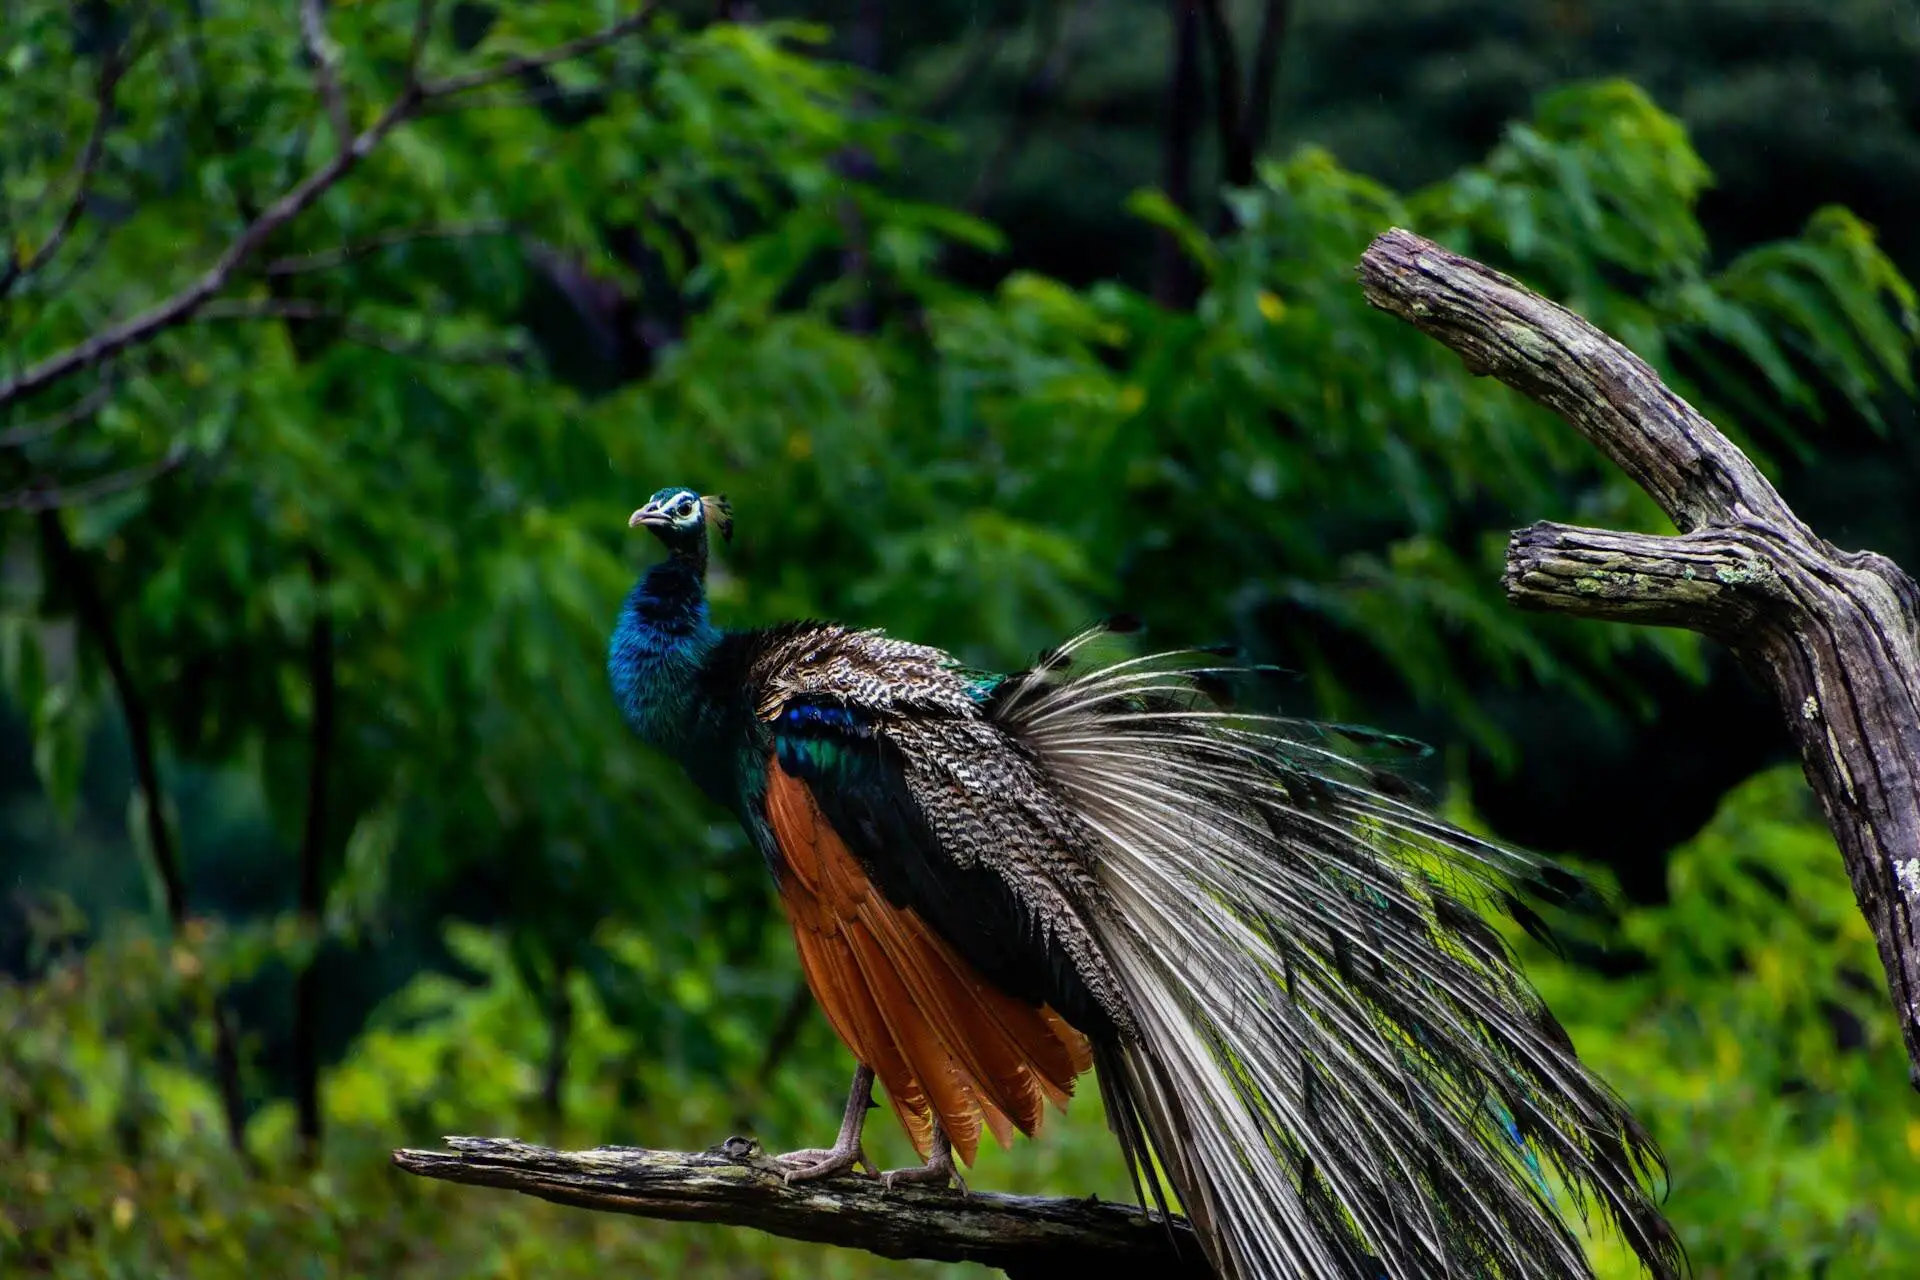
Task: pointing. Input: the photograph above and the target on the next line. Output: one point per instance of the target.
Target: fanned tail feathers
(1338, 1064)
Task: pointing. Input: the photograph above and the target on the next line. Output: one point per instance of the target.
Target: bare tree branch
(51, 498)
(550, 95)
(417, 48)
(1836, 634)
(41, 428)
(965, 74)
(182, 305)
(1711, 580)
(734, 1184)
(514, 67)
(185, 303)
(330, 258)
(326, 69)
(305, 310)
(113, 66)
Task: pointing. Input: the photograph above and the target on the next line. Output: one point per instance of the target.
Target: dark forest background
(318, 832)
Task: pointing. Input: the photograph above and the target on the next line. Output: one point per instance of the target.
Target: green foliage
(117, 1166)
(1758, 1046)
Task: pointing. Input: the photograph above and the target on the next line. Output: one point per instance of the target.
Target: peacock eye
(682, 509)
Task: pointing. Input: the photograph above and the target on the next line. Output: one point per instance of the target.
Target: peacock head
(680, 518)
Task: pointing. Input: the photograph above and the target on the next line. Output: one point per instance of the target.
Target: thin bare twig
(50, 498)
(184, 304)
(965, 74)
(417, 48)
(41, 428)
(354, 331)
(57, 277)
(268, 309)
(534, 61)
(326, 69)
(330, 258)
(113, 65)
(551, 95)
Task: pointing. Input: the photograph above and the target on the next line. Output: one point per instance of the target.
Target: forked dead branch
(1833, 633)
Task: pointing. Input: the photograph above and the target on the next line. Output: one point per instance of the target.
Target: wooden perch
(736, 1184)
(1833, 633)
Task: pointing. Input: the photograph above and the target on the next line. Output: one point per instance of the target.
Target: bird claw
(823, 1162)
(939, 1170)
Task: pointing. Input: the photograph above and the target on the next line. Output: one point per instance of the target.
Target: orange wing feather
(943, 1041)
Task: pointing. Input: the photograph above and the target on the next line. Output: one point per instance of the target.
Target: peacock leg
(939, 1168)
(846, 1152)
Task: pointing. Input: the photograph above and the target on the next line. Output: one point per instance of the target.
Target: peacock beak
(650, 515)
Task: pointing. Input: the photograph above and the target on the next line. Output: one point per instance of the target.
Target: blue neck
(662, 636)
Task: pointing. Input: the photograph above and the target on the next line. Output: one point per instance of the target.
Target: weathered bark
(1833, 633)
(736, 1184)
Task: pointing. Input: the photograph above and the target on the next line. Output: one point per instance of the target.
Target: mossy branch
(1713, 581)
(1835, 634)
(736, 1184)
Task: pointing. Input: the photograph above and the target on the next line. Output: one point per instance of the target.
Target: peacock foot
(823, 1162)
(846, 1152)
(939, 1169)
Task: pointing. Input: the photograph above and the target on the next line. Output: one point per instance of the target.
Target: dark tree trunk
(306, 985)
(1176, 282)
(96, 625)
(1236, 143)
(1267, 47)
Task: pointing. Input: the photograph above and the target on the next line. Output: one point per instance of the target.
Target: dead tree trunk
(1832, 632)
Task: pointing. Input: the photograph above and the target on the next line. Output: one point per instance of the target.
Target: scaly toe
(806, 1157)
(819, 1162)
(937, 1173)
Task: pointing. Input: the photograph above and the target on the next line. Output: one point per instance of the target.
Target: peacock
(1277, 962)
